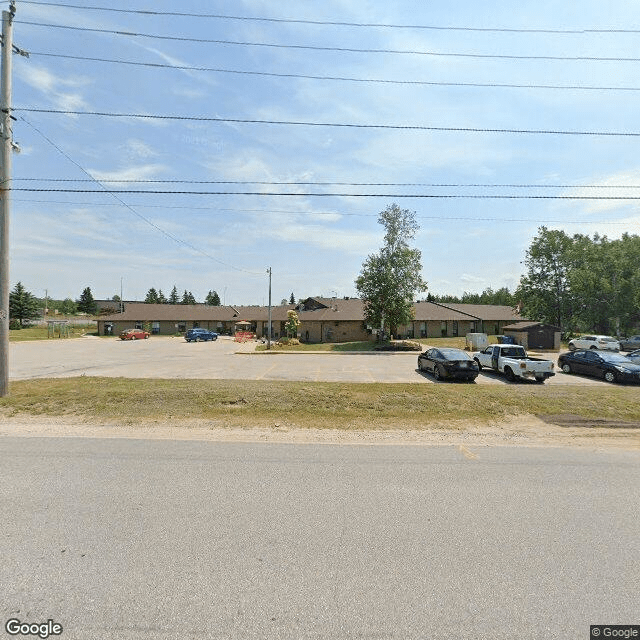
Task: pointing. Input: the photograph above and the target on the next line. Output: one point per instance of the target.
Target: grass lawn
(331, 405)
(40, 332)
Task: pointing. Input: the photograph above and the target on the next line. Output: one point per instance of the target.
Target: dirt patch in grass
(572, 420)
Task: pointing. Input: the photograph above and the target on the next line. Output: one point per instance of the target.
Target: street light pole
(269, 329)
(5, 187)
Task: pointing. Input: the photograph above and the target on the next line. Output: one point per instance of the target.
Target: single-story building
(321, 319)
(534, 335)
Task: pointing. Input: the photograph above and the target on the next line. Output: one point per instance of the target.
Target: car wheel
(198, 339)
(593, 347)
(146, 337)
(133, 338)
(509, 375)
(436, 373)
(566, 368)
(609, 376)
(478, 363)
(572, 347)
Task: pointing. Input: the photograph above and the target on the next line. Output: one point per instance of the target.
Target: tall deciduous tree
(390, 279)
(86, 303)
(23, 306)
(545, 291)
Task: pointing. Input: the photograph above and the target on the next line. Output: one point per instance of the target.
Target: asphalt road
(162, 357)
(131, 539)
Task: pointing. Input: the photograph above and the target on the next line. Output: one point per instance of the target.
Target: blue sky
(62, 242)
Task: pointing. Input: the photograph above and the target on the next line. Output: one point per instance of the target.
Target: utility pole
(269, 329)
(5, 188)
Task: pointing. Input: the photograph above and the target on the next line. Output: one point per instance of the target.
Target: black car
(448, 363)
(613, 367)
(200, 335)
(634, 356)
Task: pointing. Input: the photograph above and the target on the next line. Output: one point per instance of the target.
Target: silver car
(605, 343)
(629, 344)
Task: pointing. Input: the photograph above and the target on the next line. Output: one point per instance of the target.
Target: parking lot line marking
(264, 373)
(469, 455)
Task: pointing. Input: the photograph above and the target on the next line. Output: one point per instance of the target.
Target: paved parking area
(163, 357)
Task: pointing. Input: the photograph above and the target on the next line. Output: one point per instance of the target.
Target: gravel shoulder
(523, 431)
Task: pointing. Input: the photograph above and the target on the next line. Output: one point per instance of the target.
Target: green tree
(212, 299)
(68, 307)
(23, 306)
(390, 279)
(292, 324)
(162, 299)
(152, 296)
(292, 298)
(86, 303)
(545, 290)
(188, 298)
(173, 296)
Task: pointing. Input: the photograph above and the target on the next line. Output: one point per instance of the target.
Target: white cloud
(54, 87)
(140, 172)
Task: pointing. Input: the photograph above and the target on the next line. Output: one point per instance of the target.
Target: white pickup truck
(512, 360)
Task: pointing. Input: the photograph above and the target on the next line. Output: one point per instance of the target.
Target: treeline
(579, 283)
(501, 297)
(157, 297)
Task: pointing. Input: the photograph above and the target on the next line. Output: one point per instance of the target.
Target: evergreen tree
(212, 299)
(86, 303)
(173, 296)
(152, 296)
(161, 297)
(23, 306)
(188, 298)
(292, 298)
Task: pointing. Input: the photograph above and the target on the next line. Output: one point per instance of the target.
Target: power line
(327, 194)
(335, 22)
(342, 184)
(224, 210)
(414, 52)
(148, 116)
(430, 83)
(112, 193)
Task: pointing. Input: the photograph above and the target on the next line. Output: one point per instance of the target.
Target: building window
(443, 328)
(155, 328)
(455, 327)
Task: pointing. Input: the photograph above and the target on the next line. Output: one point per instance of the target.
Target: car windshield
(455, 354)
(614, 357)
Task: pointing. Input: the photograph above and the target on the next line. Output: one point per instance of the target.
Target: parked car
(200, 335)
(613, 367)
(448, 363)
(629, 344)
(606, 343)
(134, 334)
(514, 362)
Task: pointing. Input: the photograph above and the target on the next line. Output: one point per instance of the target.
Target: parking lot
(166, 357)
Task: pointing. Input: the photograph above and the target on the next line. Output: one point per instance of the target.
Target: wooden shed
(534, 335)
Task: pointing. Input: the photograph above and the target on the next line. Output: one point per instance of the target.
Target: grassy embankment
(41, 332)
(304, 404)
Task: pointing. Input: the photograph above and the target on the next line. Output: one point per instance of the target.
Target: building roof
(487, 312)
(321, 309)
(527, 324)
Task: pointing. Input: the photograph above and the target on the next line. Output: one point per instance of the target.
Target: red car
(134, 334)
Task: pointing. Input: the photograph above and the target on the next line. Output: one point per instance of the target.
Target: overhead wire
(149, 116)
(306, 76)
(576, 31)
(225, 210)
(146, 220)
